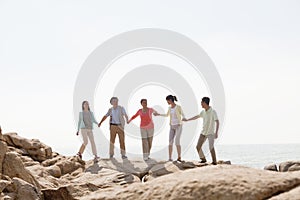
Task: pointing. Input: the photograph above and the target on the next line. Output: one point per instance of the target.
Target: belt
(112, 124)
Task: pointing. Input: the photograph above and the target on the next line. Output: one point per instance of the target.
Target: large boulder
(222, 182)
(13, 167)
(3, 149)
(23, 190)
(289, 166)
(34, 148)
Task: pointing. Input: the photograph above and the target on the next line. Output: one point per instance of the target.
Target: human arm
(102, 120)
(78, 125)
(164, 115)
(104, 117)
(134, 116)
(217, 128)
(192, 118)
(125, 114)
(93, 118)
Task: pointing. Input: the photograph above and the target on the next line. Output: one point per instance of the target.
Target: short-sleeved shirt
(209, 117)
(115, 114)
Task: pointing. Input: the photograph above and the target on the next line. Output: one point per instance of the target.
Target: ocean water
(252, 155)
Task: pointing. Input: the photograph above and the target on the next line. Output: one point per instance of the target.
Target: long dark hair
(83, 105)
(171, 97)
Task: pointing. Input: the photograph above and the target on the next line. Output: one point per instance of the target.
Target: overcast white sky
(254, 44)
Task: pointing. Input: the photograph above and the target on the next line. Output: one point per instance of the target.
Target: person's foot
(203, 161)
(170, 159)
(179, 159)
(214, 163)
(79, 155)
(124, 157)
(96, 158)
(146, 158)
(111, 156)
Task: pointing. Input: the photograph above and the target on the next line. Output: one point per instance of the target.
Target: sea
(251, 155)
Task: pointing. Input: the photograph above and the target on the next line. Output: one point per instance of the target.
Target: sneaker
(79, 155)
(203, 161)
(124, 157)
(179, 159)
(214, 163)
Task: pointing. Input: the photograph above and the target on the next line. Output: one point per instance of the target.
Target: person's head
(114, 101)
(171, 99)
(85, 105)
(205, 102)
(144, 102)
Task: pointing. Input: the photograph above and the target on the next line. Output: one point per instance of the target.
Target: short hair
(143, 100)
(206, 100)
(113, 98)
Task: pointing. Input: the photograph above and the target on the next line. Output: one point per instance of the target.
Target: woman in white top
(176, 116)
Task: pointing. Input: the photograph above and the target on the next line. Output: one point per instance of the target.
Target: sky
(254, 45)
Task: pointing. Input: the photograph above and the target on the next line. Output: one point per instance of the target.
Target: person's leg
(211, 141)
(122, 141)
(85, 141)
(201, 140)
(177, 141)
(150, 139)
(91, 138)
(113, 133)
(144, 142)
(171, 141)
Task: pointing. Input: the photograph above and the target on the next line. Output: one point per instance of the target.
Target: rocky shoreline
(31, 170)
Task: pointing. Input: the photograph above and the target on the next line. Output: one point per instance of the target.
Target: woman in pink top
(147, 127)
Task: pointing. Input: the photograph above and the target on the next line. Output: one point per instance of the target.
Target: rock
(13, 167)
(224, 182)
(3, 149)
(285, 166)
(61, 193)
(272, 167)
(34, 148)
(54, 171)
(23, 190)
(291, 194)
(70, 164)
(3, 185)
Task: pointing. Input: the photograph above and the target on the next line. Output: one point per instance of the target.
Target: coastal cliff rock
(30, 170)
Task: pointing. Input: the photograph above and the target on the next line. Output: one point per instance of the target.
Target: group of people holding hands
(117, 116)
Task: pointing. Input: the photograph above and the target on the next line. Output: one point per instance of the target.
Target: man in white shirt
(209, 131)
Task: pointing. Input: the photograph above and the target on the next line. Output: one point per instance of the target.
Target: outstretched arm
(133, 117)
(193, 118)
(102, 120)
(164, 115)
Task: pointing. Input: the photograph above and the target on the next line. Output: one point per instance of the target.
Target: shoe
(124, 157)
(79, 155)
(179, 159)
(170, 159)
(203, 161)
(96, 158)
(147, 158)
(214, 163)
